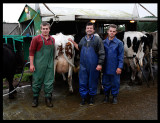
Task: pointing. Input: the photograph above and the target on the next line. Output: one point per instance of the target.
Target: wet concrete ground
(137, 102)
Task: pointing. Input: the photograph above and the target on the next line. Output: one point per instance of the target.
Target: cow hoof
(71, 91)
(130, 83)
(139, 83)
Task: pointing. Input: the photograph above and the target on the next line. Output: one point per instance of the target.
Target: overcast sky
(12, 12)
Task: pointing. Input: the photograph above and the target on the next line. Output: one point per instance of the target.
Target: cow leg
(133, 74)
(70, 79)
(140, 72)
(100, 81)
(139, 78)
(150, 65)
(55, 64)
(11, 88)
(64, 78)
(151, 76)
(133, 71)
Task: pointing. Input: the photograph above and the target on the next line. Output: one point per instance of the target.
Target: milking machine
(19, 80)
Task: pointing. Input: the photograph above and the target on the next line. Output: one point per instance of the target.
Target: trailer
(20, 43)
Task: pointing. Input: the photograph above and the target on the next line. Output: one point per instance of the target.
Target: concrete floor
(137, 102)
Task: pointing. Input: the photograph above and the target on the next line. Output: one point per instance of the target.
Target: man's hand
(118, 71)
(32, 68)
(99, 67)
(74, 43)
(71, 40)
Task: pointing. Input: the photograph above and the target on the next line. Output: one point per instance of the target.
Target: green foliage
(147, 26)
(25, 77)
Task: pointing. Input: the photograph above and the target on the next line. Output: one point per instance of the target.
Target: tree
(147, 26)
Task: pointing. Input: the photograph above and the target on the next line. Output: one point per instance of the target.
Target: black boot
(48, 101)
(106, 99)
(114, 101)
(83, 102)
(35, 102)
(91, 100)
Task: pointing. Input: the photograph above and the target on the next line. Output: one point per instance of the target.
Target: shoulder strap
(51, 39)
(42, 39)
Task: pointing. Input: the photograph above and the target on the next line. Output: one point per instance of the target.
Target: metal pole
(30, 22)
(146, 9)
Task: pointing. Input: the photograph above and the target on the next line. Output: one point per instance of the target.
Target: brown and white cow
(64, 57)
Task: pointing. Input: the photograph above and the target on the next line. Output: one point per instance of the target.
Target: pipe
(19, 80)
(146, 9)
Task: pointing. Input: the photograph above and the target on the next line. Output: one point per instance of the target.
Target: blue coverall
(114, 54)
(89, 59)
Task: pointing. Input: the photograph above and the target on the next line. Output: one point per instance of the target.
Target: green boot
(48, 101)
(35, 102)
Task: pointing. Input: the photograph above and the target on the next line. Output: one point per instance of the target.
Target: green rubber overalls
(44, 70)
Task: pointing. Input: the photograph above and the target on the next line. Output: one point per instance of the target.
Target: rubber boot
(48, 101)
(106, 99)
(91, 100)
(82, 102)
(114, 101)
(35, 102)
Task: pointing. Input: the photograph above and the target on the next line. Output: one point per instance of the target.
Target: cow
(12, 64)
(133, 52)
(154, 46)
(148, 46)
(64, 57)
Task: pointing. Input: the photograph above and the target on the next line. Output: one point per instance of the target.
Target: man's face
(90, 30)
(45, 30)
(112, 32)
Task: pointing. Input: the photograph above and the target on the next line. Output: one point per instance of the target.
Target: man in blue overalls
(92, 57)
(114, 53)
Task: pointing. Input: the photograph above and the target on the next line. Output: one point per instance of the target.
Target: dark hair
(113, 26)
(45, 24)
(89, 24)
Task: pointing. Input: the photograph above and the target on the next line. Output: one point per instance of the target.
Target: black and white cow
(148, 46)
(155, 45)
(134, 42)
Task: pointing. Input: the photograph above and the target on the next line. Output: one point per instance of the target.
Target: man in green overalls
(41, 53)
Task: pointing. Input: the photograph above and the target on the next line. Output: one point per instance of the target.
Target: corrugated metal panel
(79, 11)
